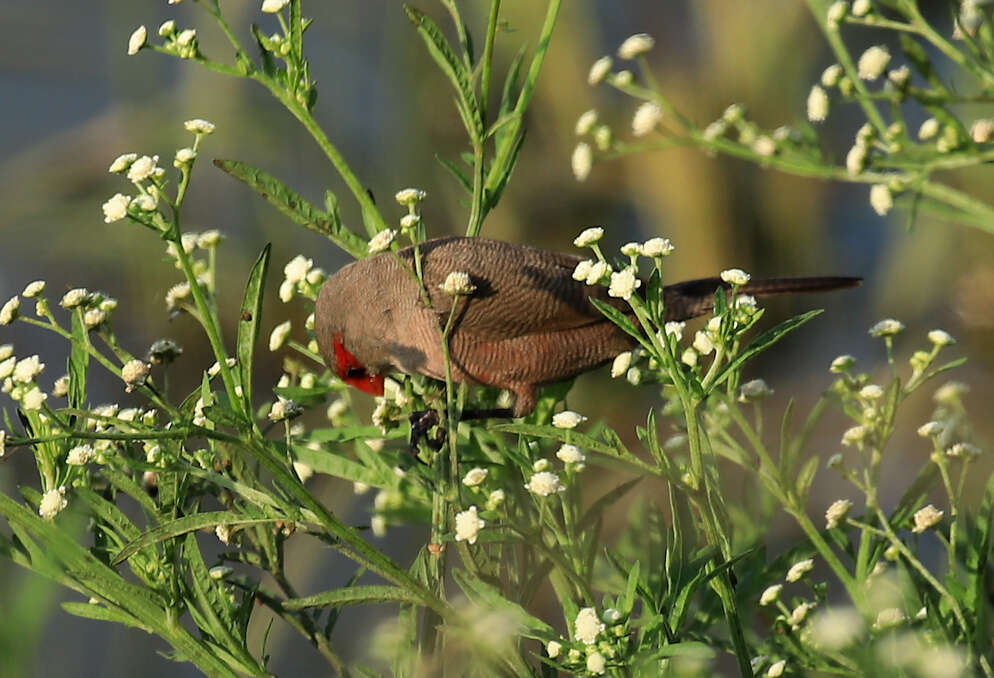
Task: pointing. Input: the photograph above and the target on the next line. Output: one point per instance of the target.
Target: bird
(527, 323)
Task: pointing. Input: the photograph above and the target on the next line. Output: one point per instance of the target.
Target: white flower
(568, 419)
(122, 162)
(754, 390)
(287, 290)
(929, 429)
(982, 130)
(817, 104)
(646, 117)
(283, 409)
(184, 156)
(27, 369)
(714, 130)
(842, 363)
(899, 76)
(889, 617)
(602, 137)
(926, 518)
(33, 399)
(881, 199)
(274, 6)
(458, 283)
(636, 45)
(176, 294)
(967, 450)
(871, 392)
(223, 533)
(410, 196)
(928, 129)
(621, 364)
(145, 202)
(624, 284)
(735, 276)
(468, 525)
(381, 241)
(6, 350)
(475, 476)
(495, 499)
(279, 335)
(582, 270)
(544, 483)
(597, 272)
(861, 7)
(186, 37)
(873, 62)
(887, 328)
(776, 669)
(599, 70)
(142, 168)
(764, 146)
(856, 159)
(9, 312)
(587, 626)
(199, 126)
(798, 614)
(94, 318)
(770, 595)
(553, 648)
(3, 443)
(733, 113)
(541, 465)
(937, 337)
(596, 664)
(799, 569)
(586, 122)
(134, 373)
(589, 236)
(854, 435)
(570, 454)
(116, 208)
(81, 455)
(837, 512)
(137, 40)
(836, 13)
(582, 161)
(297, 269)
(703, 343)
(830, 76)
(167, 28)
(674, 328)
(835, 628)
(7, 366)
(52, 502)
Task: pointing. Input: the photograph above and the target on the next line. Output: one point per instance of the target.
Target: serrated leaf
(441, 52)
(294, 206)
(248, 325)
(352, 595)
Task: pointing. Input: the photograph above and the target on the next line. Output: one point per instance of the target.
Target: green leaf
(621, 320)
(453, 69)
(492, 599)
(248, 325)
(79, 362)
(353, 595)
(805, 477)
(344, 434)
(457, 172)
(761, 343)
(563, 435)
(101, 613)
(597, 509)
(180, 526)
(336, 465)
(295, 207)
(978, 550)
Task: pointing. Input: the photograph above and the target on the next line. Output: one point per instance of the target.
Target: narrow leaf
(353, 595)
(248, 324)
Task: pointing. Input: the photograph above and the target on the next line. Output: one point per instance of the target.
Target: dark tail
(696, 297)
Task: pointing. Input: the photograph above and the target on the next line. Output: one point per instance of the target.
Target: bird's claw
(421, 423)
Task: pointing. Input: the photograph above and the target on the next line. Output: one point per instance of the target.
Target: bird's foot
(421, 423)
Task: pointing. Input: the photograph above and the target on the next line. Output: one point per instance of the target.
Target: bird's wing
(520, 290)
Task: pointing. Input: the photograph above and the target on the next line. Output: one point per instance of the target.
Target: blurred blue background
(72, 101)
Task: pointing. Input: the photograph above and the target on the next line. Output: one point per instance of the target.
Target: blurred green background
(72, 101)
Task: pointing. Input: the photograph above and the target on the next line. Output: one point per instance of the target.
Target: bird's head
(353, 372)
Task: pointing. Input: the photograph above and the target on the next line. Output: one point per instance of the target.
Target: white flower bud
(636, 45)
(599, 70)
(582, 161)
(817, 104)
(137, 40)
(873, 62)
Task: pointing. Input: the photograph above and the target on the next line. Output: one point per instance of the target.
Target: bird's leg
(422, 422)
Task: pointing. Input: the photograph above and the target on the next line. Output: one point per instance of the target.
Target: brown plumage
(528, 323)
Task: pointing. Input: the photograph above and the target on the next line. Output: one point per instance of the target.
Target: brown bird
(527, 323)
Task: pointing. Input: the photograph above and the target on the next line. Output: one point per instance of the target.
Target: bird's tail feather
(696, 297)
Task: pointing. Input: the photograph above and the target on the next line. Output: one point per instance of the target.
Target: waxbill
(527, 323)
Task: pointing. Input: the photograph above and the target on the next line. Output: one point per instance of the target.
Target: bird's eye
(354, 372)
